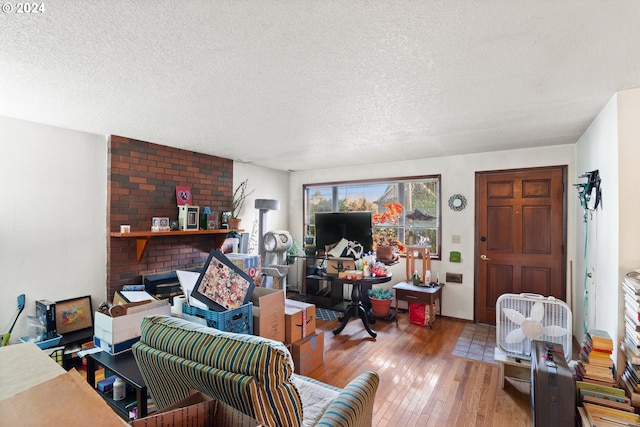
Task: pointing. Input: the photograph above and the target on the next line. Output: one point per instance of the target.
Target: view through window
(405, 211)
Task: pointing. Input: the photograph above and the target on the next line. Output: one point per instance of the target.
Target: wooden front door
(520, 236)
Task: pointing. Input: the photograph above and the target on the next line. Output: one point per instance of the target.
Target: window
(417, 221)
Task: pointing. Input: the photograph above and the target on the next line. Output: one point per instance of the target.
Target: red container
(417, 313)
(421, 314)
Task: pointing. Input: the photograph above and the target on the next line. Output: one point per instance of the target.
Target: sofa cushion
(316, 398)
(246, 354)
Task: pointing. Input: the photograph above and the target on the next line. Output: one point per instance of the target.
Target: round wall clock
(457, 202)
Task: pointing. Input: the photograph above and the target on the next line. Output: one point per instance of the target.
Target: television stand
(323, 291)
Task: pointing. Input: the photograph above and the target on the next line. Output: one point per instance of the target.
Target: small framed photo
(74, 314)
(183, 195)
(211, 221)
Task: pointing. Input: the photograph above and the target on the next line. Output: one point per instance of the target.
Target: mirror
(457, 202)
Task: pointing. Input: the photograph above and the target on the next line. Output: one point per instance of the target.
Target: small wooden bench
(511, 367)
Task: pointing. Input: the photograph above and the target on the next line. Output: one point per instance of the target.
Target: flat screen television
(330, 227)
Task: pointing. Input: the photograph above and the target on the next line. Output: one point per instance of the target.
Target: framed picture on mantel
(183, 195)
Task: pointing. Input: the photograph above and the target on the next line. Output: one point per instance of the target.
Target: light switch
(455, 238)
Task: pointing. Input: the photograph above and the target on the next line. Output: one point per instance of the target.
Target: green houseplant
(380, 301)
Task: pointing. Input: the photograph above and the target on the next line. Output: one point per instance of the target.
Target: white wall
(52, 220)
(598, 272)
(268, 184)
(52, 217)
(610, 145)
(53, 214)
(627, 197)
(458, 176)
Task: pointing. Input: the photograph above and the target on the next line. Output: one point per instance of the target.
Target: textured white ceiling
(298, 85)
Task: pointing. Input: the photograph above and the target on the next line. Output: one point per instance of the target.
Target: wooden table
(356, 307)
(409, 292)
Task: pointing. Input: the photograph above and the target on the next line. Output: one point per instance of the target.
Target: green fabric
(250, 373)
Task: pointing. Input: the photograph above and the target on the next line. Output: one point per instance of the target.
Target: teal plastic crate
(50, 340)
(238, 320)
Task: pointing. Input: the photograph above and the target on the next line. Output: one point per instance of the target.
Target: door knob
(485, 258)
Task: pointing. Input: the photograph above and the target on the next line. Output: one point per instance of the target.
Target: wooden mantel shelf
(143, 237)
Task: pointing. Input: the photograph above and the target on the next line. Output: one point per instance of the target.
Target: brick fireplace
(141, 184)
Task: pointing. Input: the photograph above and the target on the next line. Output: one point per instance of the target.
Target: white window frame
(403, 226)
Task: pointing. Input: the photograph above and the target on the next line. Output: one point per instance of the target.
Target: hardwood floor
(421, 383)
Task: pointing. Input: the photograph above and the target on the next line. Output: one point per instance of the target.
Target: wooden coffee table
(409, 292)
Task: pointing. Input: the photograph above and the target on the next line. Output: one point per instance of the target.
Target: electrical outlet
(455, 238)
(454, 277)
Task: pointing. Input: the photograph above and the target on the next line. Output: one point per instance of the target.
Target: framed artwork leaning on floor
(74, 314)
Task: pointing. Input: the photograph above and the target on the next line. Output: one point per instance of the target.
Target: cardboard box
(292, 324)
(117, 334)
(197, 410)
(308, 354)
(300, 320)
(70, 401)
(250, 264)
(350, 275)
(268, 313)
(338, 264)
(126, 297)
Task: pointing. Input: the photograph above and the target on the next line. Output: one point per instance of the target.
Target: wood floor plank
(421, 383)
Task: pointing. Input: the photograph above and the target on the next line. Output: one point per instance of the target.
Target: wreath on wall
(457, 202)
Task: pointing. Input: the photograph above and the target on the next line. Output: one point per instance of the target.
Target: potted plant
(380, 301)
(240, 195)
(385, 240)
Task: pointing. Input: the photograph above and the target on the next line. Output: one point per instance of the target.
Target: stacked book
(599, 404)
(595, 364)
(601, 416)
(631, 290)
(630, 347)
(629, 353)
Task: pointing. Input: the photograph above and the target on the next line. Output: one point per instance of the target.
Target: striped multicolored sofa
(253, 374)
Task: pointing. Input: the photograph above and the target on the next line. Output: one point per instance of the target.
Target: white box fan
(522, 318)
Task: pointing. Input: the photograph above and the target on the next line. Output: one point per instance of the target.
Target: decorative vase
(380, 307)
(234, 223)
(384, 252)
